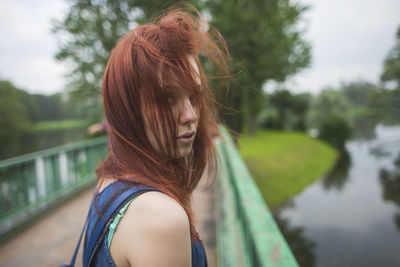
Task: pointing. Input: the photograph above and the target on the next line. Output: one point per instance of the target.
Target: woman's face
(186, 115)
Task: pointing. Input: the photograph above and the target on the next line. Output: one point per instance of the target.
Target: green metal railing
(31, 183)
(247, 234)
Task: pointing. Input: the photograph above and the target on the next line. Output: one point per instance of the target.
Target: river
(350, 217)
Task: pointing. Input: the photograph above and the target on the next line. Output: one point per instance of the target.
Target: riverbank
(284, 163)
(60, 124)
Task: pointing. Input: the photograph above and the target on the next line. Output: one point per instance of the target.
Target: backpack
(93, 242)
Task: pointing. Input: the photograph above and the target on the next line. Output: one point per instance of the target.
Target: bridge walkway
(50, 241)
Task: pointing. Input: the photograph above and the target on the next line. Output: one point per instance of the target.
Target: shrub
(334, 129)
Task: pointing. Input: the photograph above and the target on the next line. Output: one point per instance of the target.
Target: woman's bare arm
(153, 232)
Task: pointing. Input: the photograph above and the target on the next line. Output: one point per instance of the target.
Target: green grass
(60, 124)
(284, 163)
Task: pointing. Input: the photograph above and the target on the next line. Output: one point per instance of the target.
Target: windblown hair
(146, 64)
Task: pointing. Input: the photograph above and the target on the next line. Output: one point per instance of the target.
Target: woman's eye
(170, 98)
(192, 100)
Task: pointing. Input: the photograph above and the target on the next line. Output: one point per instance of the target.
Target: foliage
(378, 102)
(38, 107)
(357, 92)
(13, 114)
(300, 107)
(330, 116)
(282, 101)
(385, 104)
(337, 177)
(334, 129)
(301, 246)
(30, 103)
(273, 49)
(391, 73)
(265, 44)
(391, 69)
(284, 163)
(14, 118)
(390, 182)
(19, 110)
(89, 32)
(290, 109)
(327, 102)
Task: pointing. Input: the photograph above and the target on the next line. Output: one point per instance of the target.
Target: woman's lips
(186, 138)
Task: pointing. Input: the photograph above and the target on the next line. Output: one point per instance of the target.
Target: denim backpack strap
(72, 264)
(102, 225)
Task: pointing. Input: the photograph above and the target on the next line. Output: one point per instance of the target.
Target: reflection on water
(302, 248)
(390, 180)
(364, 128)
(352, 215)
(337, 177)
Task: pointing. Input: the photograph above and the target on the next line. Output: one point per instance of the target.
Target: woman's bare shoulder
(157, 203)
(153, 232)
(157, 211)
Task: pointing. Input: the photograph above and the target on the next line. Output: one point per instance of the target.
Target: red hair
(143, 67)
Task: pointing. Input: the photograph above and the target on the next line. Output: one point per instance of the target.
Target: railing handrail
(244, 216)
(32, 183)
(247, 232)
(52, 151)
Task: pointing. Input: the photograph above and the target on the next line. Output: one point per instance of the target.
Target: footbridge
(44, 198)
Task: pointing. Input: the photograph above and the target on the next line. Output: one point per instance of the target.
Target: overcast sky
(350, 39)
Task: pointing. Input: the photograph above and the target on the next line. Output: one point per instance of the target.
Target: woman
(158, 108)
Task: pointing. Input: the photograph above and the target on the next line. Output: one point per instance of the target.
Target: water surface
(350, 217)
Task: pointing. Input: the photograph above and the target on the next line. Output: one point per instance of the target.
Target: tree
(391, 73)
(335, 129)
(55, 107)
(262, 36)
(300, 106)
(282, 101)
(391, 69)
(89, 32)
(265, 44)
(358, 92)
(30, 104)
(390, 181)
(14, 119)
(330, 117)
(288, 111)
(328, 102)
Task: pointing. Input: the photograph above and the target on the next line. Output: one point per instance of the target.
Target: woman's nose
(188, 114)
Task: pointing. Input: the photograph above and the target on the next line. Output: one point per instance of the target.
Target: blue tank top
(102, 257)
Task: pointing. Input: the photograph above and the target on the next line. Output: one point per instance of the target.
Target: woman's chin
(184, 151)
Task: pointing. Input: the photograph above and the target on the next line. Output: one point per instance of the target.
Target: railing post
(32, 183)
